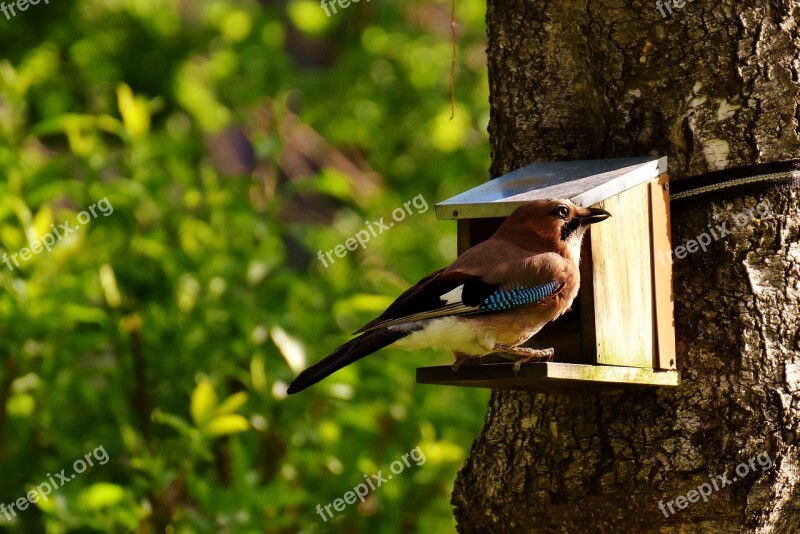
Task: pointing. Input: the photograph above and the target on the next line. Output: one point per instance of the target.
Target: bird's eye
(562, 212)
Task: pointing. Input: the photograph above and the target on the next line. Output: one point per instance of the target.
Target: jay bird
(491, 299)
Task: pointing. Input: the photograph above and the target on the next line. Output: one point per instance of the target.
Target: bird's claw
(460, 360)
(526, 354)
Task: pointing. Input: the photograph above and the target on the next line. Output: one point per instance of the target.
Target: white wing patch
(453, 296)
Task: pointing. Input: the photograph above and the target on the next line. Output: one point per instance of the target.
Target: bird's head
(556, 221)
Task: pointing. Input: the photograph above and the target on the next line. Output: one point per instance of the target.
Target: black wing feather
(353, 350)
(426, 295)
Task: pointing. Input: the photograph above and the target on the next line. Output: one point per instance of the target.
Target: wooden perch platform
(547, 376)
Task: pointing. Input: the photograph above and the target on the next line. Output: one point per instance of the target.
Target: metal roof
(585, 182)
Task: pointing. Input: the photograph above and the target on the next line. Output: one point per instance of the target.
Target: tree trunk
(714, 85)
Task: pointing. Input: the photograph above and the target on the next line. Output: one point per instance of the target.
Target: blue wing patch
(520, 296)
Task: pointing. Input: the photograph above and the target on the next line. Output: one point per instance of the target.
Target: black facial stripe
(569, 227)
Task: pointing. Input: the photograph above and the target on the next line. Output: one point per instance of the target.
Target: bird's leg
(526, 354)
(460, 359)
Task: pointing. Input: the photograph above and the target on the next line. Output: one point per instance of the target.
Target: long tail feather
(353, 350)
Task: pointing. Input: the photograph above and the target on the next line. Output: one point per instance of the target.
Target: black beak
(594, 215)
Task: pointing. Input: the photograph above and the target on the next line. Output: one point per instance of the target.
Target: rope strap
(738, 181)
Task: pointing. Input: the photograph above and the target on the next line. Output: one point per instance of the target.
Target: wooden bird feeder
(620, 330)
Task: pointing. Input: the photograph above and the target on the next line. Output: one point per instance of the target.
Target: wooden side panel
(464, 235)
(473, 231)
(662, 273)
(586, 300)
(623, 284)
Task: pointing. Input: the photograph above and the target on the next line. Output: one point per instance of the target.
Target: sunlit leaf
(236, 25)
(232, 403)
(204, 402)
(291, 349)
(448, 134)
(21, 405)
(109, 284)
(258, 376)
(310, 16)
(101, 495)
(134, 111)
(227, 424)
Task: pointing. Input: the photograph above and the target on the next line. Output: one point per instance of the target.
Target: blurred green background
(234, 139)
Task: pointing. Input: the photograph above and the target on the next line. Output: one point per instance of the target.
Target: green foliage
(166, 330)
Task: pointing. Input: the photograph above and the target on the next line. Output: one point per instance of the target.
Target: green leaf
(258, 376)
(134, 111)
(101, 495)
(227, 424)
(232, 403)
(204, 402)
(173, 421)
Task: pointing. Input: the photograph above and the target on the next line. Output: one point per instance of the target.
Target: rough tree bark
(715, 85)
